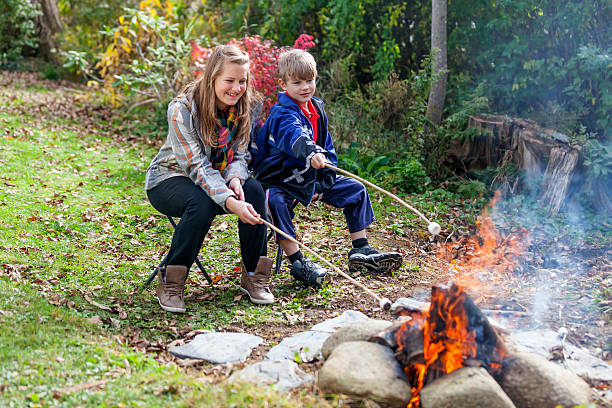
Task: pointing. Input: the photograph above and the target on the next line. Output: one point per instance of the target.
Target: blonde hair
(297, 64)
(202, 93)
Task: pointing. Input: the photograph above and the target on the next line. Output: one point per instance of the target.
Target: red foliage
(304, 42)
(264, 61)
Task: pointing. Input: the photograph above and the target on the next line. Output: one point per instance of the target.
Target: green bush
(545, 59)
(388, 113)
(147, 60)
(405, 175)
(18, 36)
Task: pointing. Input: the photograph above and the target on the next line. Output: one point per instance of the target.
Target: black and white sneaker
(373, 261)
(308, 272)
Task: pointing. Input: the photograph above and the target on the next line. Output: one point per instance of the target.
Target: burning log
(453, 333)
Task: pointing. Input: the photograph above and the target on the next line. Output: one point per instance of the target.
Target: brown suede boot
(171, 288)
(257, 286)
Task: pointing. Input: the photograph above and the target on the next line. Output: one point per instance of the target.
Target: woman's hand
(243, 210)
(236, 187)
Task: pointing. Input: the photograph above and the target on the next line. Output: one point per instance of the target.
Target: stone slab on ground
(219, 348)
(282, 375)
(304, 346)
(578, 360)
(408, 303)
(468, 387)
(366, 370)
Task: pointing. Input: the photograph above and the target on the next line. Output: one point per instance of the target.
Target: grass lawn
(78, 239)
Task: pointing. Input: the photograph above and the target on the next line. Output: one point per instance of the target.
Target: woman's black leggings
(180, 197)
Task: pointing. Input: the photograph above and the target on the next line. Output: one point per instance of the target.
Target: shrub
(147, 58)
(406, 174)
(17, 30)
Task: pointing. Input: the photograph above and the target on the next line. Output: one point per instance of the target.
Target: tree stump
(545, 156)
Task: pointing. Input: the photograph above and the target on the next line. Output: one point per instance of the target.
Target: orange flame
(486, 262)
(448, 339)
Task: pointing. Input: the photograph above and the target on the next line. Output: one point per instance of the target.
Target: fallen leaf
(122, 313)
(98, 305)
(81, 387)
(94, 319)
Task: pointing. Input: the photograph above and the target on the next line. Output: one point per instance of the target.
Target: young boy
(292, 167)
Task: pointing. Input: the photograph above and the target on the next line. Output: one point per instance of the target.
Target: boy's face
(300, 90)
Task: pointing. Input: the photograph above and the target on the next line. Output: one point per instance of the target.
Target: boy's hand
(318, 161)
(236, 187)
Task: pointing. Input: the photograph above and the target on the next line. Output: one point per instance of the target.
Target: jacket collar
(285, 100)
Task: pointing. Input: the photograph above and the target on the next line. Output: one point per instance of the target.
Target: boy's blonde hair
(297, 64)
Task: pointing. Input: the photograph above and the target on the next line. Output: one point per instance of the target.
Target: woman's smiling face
(231, 84)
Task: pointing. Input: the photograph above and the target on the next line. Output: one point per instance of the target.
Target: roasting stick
(432, 227)
(384, 303)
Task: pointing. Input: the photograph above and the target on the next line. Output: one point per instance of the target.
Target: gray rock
(305, 347)
(408, 303)
(282, 375)
(331, 325)
(219, 347)
(365, 370)
(578, 360)
(468, 387)
(531, 381)
(357, 331)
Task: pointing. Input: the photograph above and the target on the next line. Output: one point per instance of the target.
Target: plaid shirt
(184, 154)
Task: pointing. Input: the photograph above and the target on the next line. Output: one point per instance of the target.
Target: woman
(201, 171)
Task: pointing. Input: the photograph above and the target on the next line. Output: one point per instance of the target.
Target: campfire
(446, 352)
(452, 334)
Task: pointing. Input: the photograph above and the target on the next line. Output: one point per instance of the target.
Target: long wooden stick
(375, 187)
(384, 303)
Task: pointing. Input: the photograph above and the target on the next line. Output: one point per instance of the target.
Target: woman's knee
(200, 209)
(252, 188)
(254, 193)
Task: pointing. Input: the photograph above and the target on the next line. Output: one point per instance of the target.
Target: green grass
(47, 352)
(52, 357)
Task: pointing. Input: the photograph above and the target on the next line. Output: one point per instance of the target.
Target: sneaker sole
(386, 264)
(255, 300)
(317, 284)
(171, 309)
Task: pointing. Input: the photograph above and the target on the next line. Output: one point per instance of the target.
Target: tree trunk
(49, 24)
(437, 94)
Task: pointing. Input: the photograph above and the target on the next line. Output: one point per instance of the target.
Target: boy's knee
(276, 202)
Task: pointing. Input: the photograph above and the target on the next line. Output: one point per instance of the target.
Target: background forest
(540, 59)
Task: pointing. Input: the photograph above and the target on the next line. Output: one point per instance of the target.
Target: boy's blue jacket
(284, 145)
